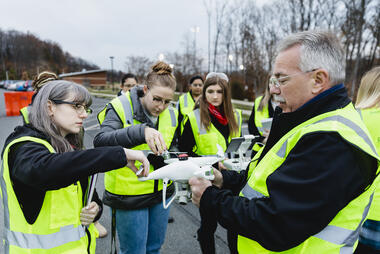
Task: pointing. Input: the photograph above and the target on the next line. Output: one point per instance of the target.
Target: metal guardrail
(238, 103)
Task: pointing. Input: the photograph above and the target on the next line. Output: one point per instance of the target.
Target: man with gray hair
(309, 188)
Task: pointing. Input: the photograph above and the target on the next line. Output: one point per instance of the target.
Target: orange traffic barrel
(14, 101)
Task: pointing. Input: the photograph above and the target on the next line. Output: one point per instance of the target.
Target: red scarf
(218, 115)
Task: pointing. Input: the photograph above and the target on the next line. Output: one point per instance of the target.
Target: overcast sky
(97, 29)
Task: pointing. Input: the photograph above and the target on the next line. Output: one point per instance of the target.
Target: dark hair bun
(162, 68)
(43, 78)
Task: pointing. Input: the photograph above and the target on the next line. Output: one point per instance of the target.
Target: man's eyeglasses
(197, 85)
(220, 75)
(277, 82)
(79, 108)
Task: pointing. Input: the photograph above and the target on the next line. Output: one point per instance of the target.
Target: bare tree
(138, 65)
(219, 22)
(356, 36)
(208, 6)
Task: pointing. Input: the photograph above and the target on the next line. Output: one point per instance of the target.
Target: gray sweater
(112, 133)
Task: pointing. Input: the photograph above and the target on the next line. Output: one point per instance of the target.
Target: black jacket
(34, 170)
(319, 177)
(112, 133)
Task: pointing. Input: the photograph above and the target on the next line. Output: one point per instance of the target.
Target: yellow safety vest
(25, 113)
(341, 234)
(205, 141)
(259, 116)
(57, 229)
(124, 181)
(371, 118)
(186, 103)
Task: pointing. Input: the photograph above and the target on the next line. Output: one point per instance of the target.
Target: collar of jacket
(138, 112)
(334, 98)
(24, 130)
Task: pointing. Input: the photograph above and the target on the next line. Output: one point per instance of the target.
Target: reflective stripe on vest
(260, 115)
(205, 141)
(342, 232)
(371, 118)
(186, 103)
(57, 227)
(124, 181)
(65, 235)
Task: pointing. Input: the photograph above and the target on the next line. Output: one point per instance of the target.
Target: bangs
(81, 95)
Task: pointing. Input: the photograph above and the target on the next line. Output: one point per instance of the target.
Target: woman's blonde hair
(265, 100)
(369, 90)
(42, 78)
(225, 108)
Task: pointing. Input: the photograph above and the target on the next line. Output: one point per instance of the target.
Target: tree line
(243, 38)
(23, 55)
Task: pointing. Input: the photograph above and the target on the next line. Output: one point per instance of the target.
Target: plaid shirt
(370, 234)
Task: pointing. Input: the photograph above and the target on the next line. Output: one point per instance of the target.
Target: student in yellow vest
(263, 108)
(37, 84)
(44, 176)
(213, 121)
(128, 81)
(141, 117)
(368, 104)
(309, 189)
(39, 81)
(186, 101)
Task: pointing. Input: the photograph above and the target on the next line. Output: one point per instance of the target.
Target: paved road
(180, 236)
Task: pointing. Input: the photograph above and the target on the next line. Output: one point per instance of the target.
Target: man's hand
(155, 141)
(134, 155)
(265, 134)
(198, 186)
(88, 213)
(221, 166)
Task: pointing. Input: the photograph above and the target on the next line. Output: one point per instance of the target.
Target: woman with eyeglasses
(45, 175)
(39, 81)
(141, 117)
(213, 121)
(128, 81)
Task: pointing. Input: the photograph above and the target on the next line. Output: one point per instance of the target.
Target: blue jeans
(142, 231)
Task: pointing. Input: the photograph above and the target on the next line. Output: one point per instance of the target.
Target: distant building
(93, 79)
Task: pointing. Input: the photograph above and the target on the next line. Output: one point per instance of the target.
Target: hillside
(25, 54)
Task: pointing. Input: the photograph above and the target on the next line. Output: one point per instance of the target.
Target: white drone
(181, 170)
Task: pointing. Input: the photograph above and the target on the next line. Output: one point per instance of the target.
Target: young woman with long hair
(368, 105)
(45, 175)
(213, 121)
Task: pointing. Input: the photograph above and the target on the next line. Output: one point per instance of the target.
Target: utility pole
(111, 57)
(195, 30)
